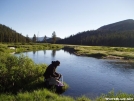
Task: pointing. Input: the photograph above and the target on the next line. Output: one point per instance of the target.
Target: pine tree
(54, 37)
(34, 38)
(27, 39)
(45, 39)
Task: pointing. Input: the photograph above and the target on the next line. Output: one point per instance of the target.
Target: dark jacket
(51, 71)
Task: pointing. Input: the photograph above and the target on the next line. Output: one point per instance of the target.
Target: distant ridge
(119, 26)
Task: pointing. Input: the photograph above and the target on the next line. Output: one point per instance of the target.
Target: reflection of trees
(34, 52)
(44, 52)
(53, 53)
(69, 50)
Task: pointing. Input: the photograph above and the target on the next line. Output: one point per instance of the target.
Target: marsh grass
(103, 51)
(22, 48)
(28, 47)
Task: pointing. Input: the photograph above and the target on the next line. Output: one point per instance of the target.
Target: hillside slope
(119, 26)
(9, 35)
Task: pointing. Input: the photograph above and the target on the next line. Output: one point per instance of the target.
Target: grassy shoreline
(28, 47)
(46, 95)
(122, 53)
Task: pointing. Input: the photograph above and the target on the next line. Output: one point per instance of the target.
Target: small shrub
(97, 55)
(2, 50)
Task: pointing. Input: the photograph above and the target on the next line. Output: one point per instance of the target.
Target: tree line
(101, 38)
(9, 35)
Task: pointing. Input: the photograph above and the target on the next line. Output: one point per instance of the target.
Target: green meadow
(124, 53)
(28, 47)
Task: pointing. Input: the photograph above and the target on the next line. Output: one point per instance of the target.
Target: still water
(88, 76)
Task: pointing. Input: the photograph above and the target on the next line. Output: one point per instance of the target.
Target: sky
(65, 17)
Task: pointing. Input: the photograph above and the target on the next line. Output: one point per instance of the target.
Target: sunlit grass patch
(83, 98)
(104, 51)
(20, 47)
(37, 95)
(112, 96)
(46, 95)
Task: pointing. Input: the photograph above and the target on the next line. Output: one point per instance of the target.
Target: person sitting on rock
(51, 71)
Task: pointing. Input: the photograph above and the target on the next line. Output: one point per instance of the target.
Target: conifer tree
(45, 39)
(34, 38)
(54, 37)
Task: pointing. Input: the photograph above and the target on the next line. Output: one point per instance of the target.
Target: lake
(87, 75)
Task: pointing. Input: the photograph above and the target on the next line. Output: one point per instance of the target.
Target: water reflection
(34, 52)
(69, 50)
(53, 53)
(44, 52)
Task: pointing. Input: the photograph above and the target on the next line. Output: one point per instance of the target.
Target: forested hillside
(119, 26)
(116, 34)
(9, 35)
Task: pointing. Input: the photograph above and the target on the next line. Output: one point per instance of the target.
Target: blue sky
(65, 17)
